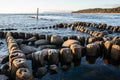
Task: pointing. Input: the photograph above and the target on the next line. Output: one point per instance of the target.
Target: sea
(24, 23)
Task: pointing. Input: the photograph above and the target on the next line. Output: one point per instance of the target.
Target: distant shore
(100, 11)
(95, 13)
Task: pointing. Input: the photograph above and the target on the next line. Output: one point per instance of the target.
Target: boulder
(106, 56)
(115, 52)
(41, 72)
(27, 49)
(92, 53)
(19, 41)
(53, 56)
(23, 74)
(91, 40)
(114, 39)
(92, 49)
(115, 55)
(76, 51)
(4, 68)
(40, 58)
(16, 64)
(66, 56)
(15, 56)
(108, 46)
(70, 42)
(41, 42)
(56, 40)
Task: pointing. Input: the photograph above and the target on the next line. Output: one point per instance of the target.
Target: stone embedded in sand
(56, 40)
(41, 42)
(70, 42)
(23, 74)
(27, 49)
(66, 56)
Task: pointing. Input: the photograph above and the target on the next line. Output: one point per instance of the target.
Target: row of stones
(88, 24)
(19, 70)
(80, 26)
(72, 51)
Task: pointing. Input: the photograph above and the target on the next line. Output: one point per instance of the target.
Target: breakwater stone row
(48, 53)
(19, 70)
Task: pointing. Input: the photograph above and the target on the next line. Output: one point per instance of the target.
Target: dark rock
(53, 56)
(23, 74)
(41, 42)
(27, 49)
(56, 40)
(66, 56)
(19, 41)
(53, 69)
(32, 39)
(47, 47)
(76, 51)
(4, 59)
(4, 68)
(41, 72)
(42, 36)
(65, 67)
(16, 64)
(115, 55)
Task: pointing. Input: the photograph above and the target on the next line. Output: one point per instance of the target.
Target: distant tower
(37, 12)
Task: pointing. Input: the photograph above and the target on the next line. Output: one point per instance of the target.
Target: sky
(29, 6)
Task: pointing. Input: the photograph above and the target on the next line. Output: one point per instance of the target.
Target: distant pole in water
(37, 12)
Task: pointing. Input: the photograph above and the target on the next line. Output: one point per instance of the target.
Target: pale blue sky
(29, 6)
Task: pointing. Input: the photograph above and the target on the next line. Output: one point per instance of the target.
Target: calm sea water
(24, 21)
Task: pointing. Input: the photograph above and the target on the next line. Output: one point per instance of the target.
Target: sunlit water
(24, 22)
